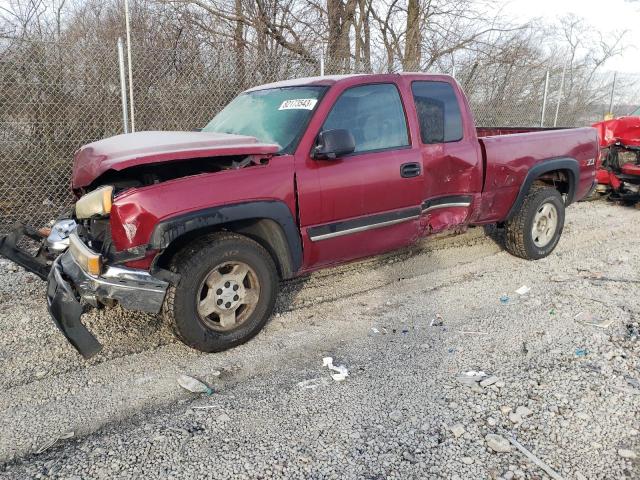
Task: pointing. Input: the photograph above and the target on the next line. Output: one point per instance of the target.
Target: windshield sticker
(298, 104)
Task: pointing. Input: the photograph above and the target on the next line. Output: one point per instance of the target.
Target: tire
(210, 271)
(520, 238)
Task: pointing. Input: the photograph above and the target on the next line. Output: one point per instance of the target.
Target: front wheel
(535, 230)
(226, 293)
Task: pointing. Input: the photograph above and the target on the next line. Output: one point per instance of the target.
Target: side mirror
(333, 144)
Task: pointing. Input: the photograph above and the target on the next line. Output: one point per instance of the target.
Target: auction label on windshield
(298, 104)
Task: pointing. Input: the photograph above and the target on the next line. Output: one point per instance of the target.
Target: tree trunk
(412, 51)
(238, 47)
(340, 17)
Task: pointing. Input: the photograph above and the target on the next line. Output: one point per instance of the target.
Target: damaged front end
(71, 287)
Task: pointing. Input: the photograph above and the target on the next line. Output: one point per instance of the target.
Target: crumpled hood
(132, 149)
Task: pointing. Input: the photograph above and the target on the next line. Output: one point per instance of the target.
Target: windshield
(275, 115)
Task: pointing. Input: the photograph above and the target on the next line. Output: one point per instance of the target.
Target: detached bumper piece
(71, 288)
(66, 311)
(33, 263)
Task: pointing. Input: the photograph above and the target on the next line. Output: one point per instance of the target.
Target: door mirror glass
(334, 144)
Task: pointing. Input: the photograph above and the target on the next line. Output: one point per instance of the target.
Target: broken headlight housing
(96, 203)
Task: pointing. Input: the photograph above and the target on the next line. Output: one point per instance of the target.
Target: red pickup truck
(289, 178)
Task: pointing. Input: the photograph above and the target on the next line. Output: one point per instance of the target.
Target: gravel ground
(407, 326)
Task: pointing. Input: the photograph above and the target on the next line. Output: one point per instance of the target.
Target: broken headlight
(96, 203)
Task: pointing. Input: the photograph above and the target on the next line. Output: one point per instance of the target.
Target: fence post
(321, 60)
(613, 89)
(564, 71)
(123, 87)
(128, 29)
(544, 99)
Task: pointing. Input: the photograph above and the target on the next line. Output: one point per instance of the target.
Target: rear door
(369, 201)
(450, 153)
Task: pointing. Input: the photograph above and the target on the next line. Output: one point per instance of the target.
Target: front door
(369, 201)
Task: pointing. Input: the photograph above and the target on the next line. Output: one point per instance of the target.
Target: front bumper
(70, 288)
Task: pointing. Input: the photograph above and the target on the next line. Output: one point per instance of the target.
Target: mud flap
(66, 310)
(9, 249)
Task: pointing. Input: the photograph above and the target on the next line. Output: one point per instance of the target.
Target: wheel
(535, 230)
(226, 293)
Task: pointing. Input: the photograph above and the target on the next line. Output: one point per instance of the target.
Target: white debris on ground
(540, 392)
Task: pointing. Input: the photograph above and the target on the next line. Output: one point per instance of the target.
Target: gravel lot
(406, 326)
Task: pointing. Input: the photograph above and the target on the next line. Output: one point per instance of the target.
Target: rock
(476, 388)
(515, 418)
(523, 411)
(508, 475)
(500, 384)
(457, 430)
(505, 409)
(492, 422)
(629, 454)
(467, 460)
(396, 415)
(497, 443)
(487, 382)
(409, 458)
(223, 418)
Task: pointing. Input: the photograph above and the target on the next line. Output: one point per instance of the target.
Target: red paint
(623, 130)
(490, 170)
(622, 134)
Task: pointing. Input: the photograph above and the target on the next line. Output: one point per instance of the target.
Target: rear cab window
(438, 112)
(373, 114)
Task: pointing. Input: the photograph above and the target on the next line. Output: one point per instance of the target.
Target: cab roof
(329, 80)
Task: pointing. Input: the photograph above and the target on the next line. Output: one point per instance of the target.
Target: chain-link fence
(55, 97)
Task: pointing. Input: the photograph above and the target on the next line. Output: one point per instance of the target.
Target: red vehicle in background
(618, 171)
(290, 178)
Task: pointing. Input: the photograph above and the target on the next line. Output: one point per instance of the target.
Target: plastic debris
(588, 318)
(313, 383)
(51, 443)
(341, 370)
(581, 352)
(375, 330)
(523, 290)
(194, 385)
(504, 299)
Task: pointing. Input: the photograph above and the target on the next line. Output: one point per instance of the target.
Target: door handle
(411, 169)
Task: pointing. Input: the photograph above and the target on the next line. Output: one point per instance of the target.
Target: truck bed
(509, 153)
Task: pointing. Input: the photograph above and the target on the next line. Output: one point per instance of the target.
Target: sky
(604, 15)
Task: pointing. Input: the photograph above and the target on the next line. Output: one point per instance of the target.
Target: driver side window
(374, 116)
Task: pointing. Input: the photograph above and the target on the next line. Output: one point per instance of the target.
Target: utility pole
(544, 99)
(123, 87)
(128, 29)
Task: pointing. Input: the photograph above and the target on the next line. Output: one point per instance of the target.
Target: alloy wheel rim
(228, 296)
(545, 223)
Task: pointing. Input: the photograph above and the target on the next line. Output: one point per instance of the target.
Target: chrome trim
(362, 228)
(134, 289)
(446, 205)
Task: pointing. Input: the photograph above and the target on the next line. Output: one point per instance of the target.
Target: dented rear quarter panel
(136, 212)
(510, 157)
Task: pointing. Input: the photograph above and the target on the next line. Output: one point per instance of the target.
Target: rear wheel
(535, 230)
(226, 293)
